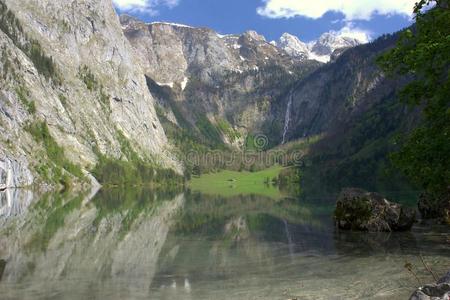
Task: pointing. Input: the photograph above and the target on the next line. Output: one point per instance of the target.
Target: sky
(307, 19)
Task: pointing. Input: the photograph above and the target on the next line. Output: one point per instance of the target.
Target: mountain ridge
(320, 49)
(124, 85)
(215, 79)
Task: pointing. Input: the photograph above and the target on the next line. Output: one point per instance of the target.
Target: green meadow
(232, 183)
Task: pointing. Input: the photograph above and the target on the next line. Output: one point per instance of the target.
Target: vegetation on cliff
(132, 170)
(12, 27)
(58, 169)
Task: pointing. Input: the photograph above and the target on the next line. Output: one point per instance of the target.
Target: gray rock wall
(76, 34)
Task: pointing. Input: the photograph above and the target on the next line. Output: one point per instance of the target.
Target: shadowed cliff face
(356, 110)
(339, 90)
(68, 63)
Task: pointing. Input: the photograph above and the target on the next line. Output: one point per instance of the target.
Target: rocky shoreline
(436, 291)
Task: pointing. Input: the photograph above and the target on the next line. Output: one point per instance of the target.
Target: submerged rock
(357, 209)
(436, 291)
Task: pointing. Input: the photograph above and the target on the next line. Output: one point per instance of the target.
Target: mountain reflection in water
(145, 244)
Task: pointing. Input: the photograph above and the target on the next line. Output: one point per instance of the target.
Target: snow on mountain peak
(293, 46)
(322, 48)
(255, 36)
(331, 41)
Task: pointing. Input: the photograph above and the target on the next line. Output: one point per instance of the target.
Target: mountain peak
(293, 46)
(254, 35)
(331, 41)
(321, 49)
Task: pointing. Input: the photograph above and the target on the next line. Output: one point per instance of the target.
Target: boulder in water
(437, 208)
(357, 209)
(436, 291)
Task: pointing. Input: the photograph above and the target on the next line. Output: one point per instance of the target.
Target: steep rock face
(170, 52)
(100, 94)
(212, 80)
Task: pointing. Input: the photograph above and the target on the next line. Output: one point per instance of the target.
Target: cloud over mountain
(148, 6)
(352, 9)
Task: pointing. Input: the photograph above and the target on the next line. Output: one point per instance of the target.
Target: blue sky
(306, 19)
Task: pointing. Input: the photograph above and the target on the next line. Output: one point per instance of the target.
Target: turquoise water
(143, 244)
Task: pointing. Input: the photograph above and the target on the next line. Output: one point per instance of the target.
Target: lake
(144, 244)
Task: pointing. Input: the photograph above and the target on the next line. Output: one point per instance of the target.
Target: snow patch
(236, 46)
(184, 83)
(321, 58)
(169, 84)
(170, 24)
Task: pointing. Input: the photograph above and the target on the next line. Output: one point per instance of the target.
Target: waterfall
(289, 238)
(287, 118)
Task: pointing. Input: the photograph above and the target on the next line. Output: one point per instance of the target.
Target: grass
(88, 78)
(228, 130)
(23, 94)
(232, 183)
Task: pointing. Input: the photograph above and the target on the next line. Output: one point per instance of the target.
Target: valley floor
(232, 183)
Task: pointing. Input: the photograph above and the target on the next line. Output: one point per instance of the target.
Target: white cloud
(148, 6)
(351, 31)
(352, 9)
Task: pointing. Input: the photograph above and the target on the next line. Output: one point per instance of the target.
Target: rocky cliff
(70, 81)
(222, 87)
